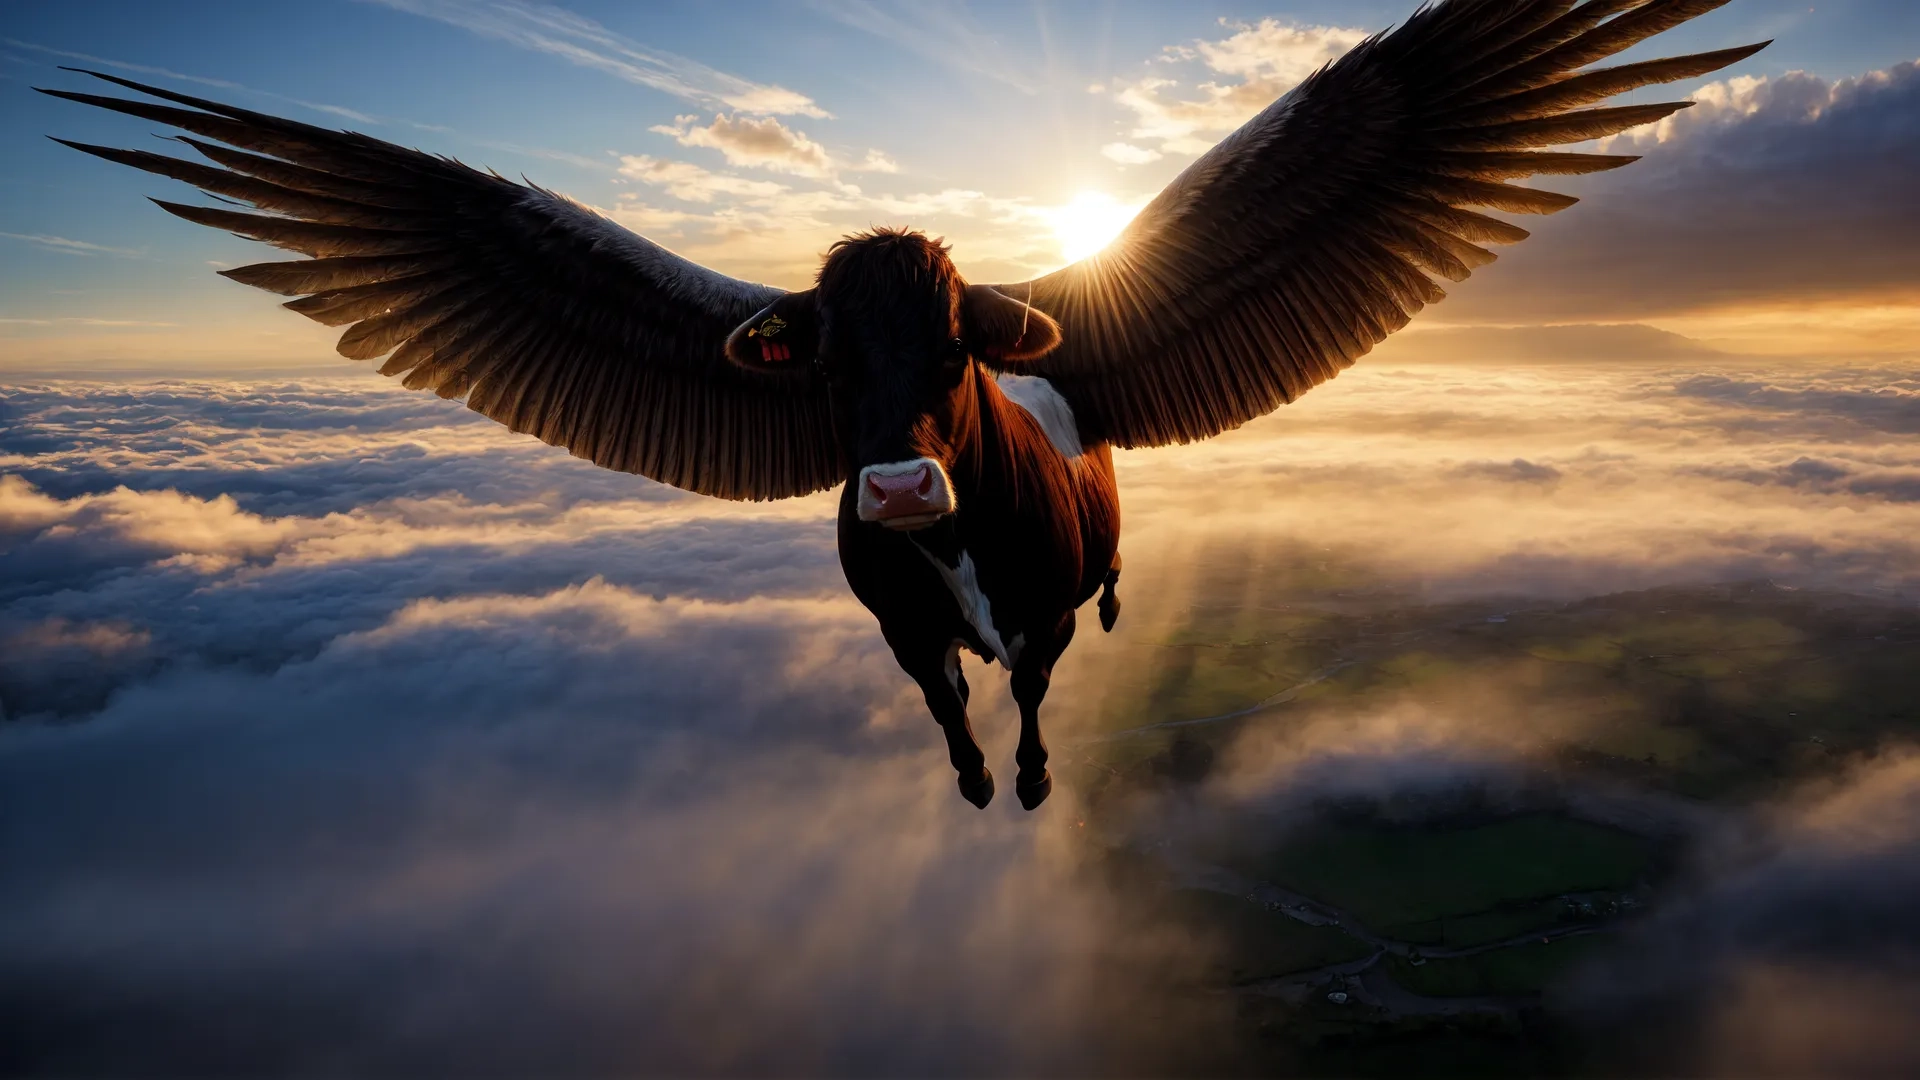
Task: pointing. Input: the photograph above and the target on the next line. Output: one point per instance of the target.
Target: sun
(1088, 222)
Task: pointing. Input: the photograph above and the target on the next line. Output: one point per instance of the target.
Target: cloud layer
(1796, 952)
(347, 729)
(1769, 191)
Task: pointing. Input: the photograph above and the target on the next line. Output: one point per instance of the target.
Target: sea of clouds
(347, 732)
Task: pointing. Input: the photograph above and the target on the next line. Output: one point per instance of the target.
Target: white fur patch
(1042, 402)
(964, 583)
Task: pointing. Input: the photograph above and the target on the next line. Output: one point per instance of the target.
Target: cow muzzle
(905, 494)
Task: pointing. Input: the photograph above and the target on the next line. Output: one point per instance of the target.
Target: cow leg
(937, 670)
(1109, 603)
(1032, 674)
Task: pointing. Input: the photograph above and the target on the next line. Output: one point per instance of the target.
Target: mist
(347, 733)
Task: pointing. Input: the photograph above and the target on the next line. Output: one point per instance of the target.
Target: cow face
(897, 333)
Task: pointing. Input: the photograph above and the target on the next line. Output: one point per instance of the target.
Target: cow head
(897, 333)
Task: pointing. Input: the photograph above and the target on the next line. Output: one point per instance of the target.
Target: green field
(1711, 692)
(1457, 885)
(1249, 942)
(1725, 694)
(1517, 970)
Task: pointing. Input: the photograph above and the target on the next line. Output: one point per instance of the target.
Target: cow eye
(956, 351)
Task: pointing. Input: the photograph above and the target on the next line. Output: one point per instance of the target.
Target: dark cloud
(1813, 474)
(1893, 406)
(1797, 951)
(1519, 471)
(1792, 188)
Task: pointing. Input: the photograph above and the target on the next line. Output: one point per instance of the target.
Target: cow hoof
(1035, 793)
(1109, 612)
(978, 790)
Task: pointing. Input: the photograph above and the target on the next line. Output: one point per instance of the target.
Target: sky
(751, 136)
(343, 731)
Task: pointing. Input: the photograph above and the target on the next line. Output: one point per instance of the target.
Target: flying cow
(968, 426)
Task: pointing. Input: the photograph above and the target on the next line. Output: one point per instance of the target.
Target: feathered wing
(542, 314)
(1302, 240)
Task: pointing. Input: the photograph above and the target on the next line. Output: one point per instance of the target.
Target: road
(1363, 980)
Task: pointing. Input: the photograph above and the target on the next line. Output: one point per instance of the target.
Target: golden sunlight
(1089, 222)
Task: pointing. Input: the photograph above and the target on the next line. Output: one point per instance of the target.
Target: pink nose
(903, 494)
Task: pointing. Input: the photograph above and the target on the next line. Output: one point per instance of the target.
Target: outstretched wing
(542, 314)
(1301, 241)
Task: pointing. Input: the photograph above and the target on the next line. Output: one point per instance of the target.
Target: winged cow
(968, 426)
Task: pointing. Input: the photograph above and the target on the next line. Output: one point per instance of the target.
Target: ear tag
(770, 327)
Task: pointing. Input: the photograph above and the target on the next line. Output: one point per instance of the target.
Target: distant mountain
(1584, 342)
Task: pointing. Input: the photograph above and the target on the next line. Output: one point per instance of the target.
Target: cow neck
(990, 472)
(993, 468)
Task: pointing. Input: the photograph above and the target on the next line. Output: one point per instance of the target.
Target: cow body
(1033, 536)
(975, 516)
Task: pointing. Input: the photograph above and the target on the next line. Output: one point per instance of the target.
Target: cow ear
(783, 335)
(1003, 328)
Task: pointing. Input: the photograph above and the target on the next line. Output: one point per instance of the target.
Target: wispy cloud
(65, 246)
(579, 161)
(341, 111)
(690, 183)
(770, 231)
(350, 115)
(582, 41)
(75, 320)
(940, 31)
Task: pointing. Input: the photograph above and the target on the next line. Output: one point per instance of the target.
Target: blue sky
(990, 99)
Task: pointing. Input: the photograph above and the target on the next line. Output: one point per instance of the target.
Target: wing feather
(1302, 240)
(536, 311)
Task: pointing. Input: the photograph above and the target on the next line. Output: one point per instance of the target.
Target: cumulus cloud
(691, 183)
(1129, 154)
(763, 143)
(1770, 191)
(1790, 188)
(1252, 66)
(766, 143)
